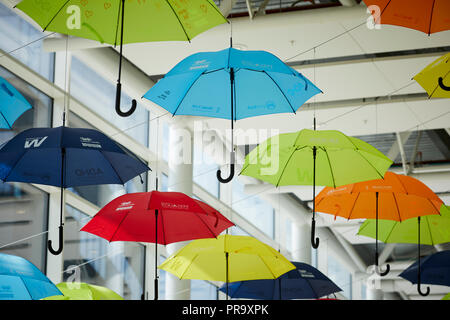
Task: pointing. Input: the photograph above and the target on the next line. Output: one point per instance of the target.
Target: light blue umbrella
(22, 280)
(12, 104)
(231, 84)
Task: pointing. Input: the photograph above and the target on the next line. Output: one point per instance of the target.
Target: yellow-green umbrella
(446, 297)
(227, 258)
(435, 78)
(84, 291)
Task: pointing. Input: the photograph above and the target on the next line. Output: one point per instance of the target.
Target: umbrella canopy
(400, 198)
(339, 160)
(83, 291)
(305, 282)
(227, 258)
(434, 269)
(446, 297)
(428, 16)
(436, 230)
(157, 217)
(435, 77)
(66, 157)
(121, 22)
(164, 217)
(12, 104)
(240, 84)
(396, 197)
(22, 280)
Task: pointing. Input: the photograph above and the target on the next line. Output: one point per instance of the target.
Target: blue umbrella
(66, 157)
(22, 280)
(304, 282)
(433, 269)
(12, 104)
(231, 84)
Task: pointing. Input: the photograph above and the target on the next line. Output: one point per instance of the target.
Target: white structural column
(374, 294)
(180, 180)
(301, 243)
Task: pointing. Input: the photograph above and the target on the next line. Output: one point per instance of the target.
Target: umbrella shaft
(156, 254)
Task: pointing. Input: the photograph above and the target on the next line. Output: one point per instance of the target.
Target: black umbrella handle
(61, 243)
(423, 294)
(230, 177)
(382, 273)
(442, 85)
(118, 110)
(314, 241)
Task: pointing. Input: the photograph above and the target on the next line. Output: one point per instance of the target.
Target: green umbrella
(446, 297)
(435, 230)
(315, 157)
(120, 22)
(83, 291)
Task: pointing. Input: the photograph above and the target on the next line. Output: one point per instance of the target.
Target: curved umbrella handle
(383, 273)
(222, 180)
(118, 110)
(314, 240)
(420, 291)
(442, 85)
(61, 242)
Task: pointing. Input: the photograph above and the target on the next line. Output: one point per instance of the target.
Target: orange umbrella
(428, 16)
(396, 197)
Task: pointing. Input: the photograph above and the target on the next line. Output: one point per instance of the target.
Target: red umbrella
(157, 217)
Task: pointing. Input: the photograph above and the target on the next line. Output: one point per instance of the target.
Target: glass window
(203, 290)
(204, 172)
(164, 182)
(340, 276)
(236, 231)
(288, 234)
(162, 280)
(165, 142)
(102, 194)
(253, 208)
(16, 33)
(39, 116)
(118, 266)
(23, 222)
(99, 95)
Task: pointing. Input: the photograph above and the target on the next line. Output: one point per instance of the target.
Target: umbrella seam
(207, 226)
(287, 162)
(179, 21)
(431, 235)
(114, 169)
(354, 204)
(329, 163)
(190, 263)
(7, 122)
(51, 20)
(398, 208)
(282, 92)
(186, 93)
(117, 229)
(31, 296)
(431, 17)
(259, 256)
(15, 164)
(376, 170)
(218, 11)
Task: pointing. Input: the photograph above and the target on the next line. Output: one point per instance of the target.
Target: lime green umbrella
(315, 157)
(435, 230)
(446, 297)
(120, 22)
(83, 291)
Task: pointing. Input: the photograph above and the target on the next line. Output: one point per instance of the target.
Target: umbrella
(114, 22)
(305, 282)
(156, 217)
(436, 230)
(227, 258)
(433, 76)
(446, 297)
(83, 291)
(428, 16)
(231, 84)
(396, 197)
(12, 104)
(22, 280)
(66, 157)
(339, 160)
(434, 269)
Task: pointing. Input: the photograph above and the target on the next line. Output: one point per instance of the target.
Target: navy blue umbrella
(66, 157)
(304, 282)
(434, 269)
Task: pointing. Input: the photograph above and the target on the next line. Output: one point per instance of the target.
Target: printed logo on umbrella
(34, 142)
(169, 205)
(88, 142)
(305, 273)
(128, 205)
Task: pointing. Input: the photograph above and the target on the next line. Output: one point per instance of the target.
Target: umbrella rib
(179, 21)
(162, 226)
(218, 11)
(29, 293)
(354, 204)
(117, 229)
(51, 20)
(274, 277)
(190, 263)
(7, 122)
(207, 226)
(15, 164)
(398, 208)
(114, 169)
(431, 17)
(287, 162)
(282, 92)
(431, 234)
(376, 170)
(187, 91)
(331, 169)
